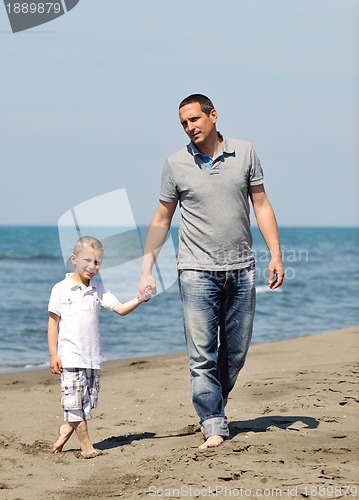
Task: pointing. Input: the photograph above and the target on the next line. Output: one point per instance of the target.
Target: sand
(293, 419)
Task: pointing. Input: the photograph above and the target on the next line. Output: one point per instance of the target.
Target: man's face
(197, 125)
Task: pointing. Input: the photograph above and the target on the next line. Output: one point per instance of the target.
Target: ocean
(320, 293)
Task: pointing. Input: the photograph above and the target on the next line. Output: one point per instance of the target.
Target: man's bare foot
(211, 442)
(91, 454)
(65, 432)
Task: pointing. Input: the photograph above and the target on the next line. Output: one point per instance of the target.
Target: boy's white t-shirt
(79, 341)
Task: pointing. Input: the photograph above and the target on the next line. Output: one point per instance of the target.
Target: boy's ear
(73, 258)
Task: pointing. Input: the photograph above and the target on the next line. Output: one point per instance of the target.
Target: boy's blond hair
(89, 241)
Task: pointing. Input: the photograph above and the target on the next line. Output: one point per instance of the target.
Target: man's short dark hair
(205, 103)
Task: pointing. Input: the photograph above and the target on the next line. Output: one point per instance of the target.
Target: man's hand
(275, 273)
(55, 364)
(146, 288)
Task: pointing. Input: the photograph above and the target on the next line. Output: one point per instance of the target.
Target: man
(213, 179)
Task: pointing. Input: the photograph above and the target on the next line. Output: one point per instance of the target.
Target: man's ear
(214, 115)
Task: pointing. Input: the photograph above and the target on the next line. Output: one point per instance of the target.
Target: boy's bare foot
(91, 454)
(211, 442)
(65, 432)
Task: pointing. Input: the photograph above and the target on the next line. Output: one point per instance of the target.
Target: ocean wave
(19, 367)
(26, 257)
(265, 289)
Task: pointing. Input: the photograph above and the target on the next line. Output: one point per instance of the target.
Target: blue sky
(89, 102)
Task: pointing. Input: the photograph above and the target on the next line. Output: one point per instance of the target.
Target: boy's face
(87, 263)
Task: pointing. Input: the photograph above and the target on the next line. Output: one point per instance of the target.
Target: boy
(74, 339)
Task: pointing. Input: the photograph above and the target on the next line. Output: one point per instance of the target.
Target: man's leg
(236, 325)
(201, 297)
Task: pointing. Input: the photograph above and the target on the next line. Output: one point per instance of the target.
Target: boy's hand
(55, 364)
(148, 294)
(146, 288)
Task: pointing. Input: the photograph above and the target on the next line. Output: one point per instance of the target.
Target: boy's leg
(79, 395)
(65, 433)
(90, 388)
(66, 430)
(87, 449)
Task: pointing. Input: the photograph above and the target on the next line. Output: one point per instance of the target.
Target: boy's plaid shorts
(79, 393)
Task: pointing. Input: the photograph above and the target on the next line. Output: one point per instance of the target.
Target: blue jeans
(218, 312)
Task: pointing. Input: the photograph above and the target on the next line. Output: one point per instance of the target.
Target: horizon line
(284, 226)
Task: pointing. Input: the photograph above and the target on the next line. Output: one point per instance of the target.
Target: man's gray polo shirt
(214, 202)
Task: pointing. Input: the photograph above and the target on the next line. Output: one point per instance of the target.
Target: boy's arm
(52, 338)
(131, 305)
(268, 227)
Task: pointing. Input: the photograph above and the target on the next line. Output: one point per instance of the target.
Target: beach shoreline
(292, 415)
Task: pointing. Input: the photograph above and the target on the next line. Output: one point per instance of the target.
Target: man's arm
(268, 227)
(156, 237)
